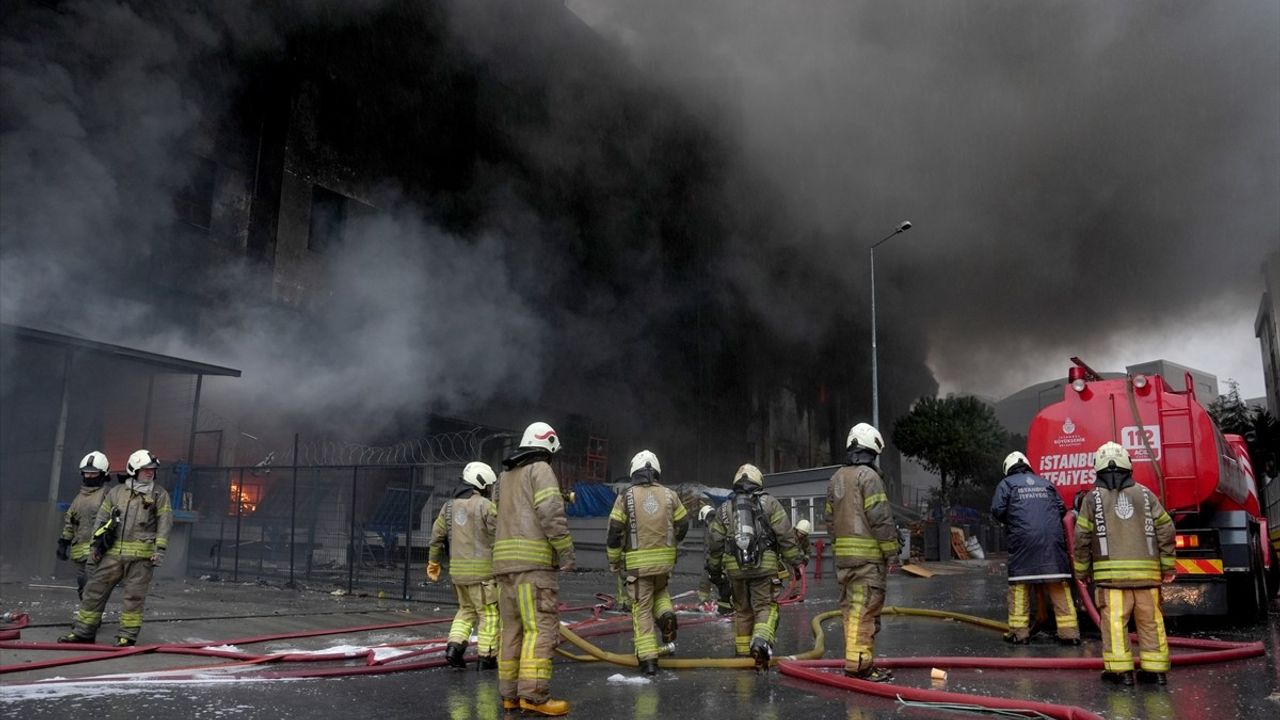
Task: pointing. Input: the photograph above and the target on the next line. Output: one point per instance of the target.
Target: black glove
(64, 548)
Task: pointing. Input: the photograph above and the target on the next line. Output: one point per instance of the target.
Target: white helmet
(540, 436)
(644, 459)
(140, 460)
(1014, 458)
(865, 436)
(751, 473)
(705, 513)
(1109, 455)
(94, 462)
(478, 475)
(804, 527)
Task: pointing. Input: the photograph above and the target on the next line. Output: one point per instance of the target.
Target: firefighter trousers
(111, 571)
(755, 611)
(1115, 605)
(649, 600)
(528, 608)
(477, 608)
(1021, 600)
(84, 571)
(861, 600)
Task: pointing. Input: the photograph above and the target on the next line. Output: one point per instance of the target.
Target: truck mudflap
(1206, 595)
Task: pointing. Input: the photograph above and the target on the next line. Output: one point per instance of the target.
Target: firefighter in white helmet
(748, 533)
(531, 543)
(647, 523)
(463, 533)
(1031, 510)
(719, 583)
(1125, 544)
(131, 533)
(860, 521)
(77, 521)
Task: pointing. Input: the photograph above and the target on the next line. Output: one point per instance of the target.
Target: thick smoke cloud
(1078, 172)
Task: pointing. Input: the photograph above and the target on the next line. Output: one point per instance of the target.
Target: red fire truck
(1204, 479)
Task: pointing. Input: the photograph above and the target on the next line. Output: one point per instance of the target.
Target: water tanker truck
(1226, 552)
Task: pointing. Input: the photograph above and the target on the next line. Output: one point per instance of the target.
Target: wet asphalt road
(1242, 689)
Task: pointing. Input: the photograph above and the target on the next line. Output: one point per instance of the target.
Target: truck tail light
(1186, 541)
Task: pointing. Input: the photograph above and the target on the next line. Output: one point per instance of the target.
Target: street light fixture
(903, 226)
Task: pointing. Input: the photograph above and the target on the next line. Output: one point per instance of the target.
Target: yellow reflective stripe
(522, 549)
(162, 543)
(1115, 655)
(1081, 568)
(618, 515)
(562, 543)
(528, 621)
(873, 499)
(614, 554)
(133, 548)
(543, 494)
(1127, 564)
(889, 547)
(1164, 519)
(1084, 523)
(131, 619)
(80, 550)
(859, 547)
(535, 669)
(508, 669)
(650, 557)
(680, 511)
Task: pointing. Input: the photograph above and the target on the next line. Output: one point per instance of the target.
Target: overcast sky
(1086, 178)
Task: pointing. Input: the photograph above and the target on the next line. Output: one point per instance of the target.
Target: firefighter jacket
(779, 538)
(859, 517)
(532, 531)
(143, 517)
(1031, 510)
(464, 531)
(1124, 537)
(648, 521)
(77, 522)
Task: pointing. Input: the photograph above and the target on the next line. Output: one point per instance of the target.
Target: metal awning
(155, 360)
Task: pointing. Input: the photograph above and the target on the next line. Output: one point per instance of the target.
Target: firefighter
(718, 582)
(802, 529)
(131, 532)
(861, 524)
(1031, 510)
(77, 522)
(748, 533)
(532, 542)
(646, 525)
(463, 531)
(1124, 543)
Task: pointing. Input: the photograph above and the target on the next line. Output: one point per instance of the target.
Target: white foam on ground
(628, 679)
(49, 688)
(224, 648)
(384, 653)
(345, 650)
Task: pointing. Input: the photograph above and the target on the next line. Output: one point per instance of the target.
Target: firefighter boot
(510, 704)
(453, 655)
(667, 625)
(761, 652)
(74, 638)
(549, 708)
(872, 674)
(122, 642)
(487, 663)
(1152, 678)
(649, 667)
(1120, 678)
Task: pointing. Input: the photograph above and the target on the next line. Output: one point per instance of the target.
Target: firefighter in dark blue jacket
(1031, 510)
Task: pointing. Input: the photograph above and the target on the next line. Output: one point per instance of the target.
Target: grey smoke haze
(1078, 172)
(614, 258)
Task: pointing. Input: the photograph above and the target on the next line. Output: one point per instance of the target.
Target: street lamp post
(904, 226)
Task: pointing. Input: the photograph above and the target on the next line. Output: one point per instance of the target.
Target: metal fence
(356, 528)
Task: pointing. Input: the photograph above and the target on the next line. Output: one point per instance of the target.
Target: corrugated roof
(119, 352)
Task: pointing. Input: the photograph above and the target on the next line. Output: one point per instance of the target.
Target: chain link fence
(360, 528)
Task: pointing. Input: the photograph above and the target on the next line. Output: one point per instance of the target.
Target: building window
(328, 219)
(193, 202)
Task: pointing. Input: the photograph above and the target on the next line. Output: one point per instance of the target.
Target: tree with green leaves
(1260, 429)
(958, 438)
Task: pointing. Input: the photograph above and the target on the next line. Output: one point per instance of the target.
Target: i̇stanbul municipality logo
(1068, 427)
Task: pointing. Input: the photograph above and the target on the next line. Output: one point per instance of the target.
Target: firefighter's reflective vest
(859, 517)
(466, 526)
(646, 524)
(1124, 538)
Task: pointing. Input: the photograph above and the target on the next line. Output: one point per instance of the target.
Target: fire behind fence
(358, 528)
